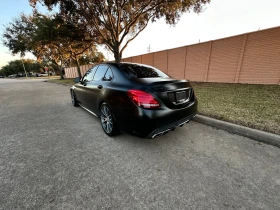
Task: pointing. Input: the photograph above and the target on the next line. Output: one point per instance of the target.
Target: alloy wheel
(106, 119)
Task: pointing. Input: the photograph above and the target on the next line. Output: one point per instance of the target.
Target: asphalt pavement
(56, 156)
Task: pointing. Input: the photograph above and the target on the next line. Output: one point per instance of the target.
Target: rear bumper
(162, 130)
(152, 123)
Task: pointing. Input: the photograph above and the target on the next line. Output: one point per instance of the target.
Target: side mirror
(107, 79)
(77, 80)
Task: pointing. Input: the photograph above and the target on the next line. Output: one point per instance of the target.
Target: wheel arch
(110, 107)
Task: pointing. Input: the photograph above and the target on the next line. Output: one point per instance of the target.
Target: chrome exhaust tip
(160, 133)
(171, 129)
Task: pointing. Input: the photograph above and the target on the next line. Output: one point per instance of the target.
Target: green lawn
(63, 81)
(255, 106)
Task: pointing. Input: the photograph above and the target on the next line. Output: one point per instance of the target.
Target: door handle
(100, 86)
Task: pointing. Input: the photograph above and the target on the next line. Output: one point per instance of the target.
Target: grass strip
(62, 81)
(254, 106)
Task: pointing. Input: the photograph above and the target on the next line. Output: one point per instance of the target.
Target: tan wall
(148, 59)
(197, 61)
(160, 60)
(72, 71)
(136, 59)
(249, 58)
(225, 55)
(261, 61)
(176, 67)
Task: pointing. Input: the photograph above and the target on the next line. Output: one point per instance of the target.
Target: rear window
(141, 71)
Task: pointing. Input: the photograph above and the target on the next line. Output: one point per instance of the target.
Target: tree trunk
(61, 73)
(78, 68)
(117, 54)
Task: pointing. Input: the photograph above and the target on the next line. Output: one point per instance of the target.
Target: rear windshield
(141, 71)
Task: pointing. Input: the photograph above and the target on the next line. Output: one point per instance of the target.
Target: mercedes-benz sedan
(134, 98)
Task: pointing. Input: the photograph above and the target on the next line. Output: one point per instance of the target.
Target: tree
(18, 35)
(31, 34)
(48, 37)
(117, 22)
(91, 56)
(66, 36)
(16, 67)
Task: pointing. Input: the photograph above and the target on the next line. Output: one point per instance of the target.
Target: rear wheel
(73, 99)
(107, 120)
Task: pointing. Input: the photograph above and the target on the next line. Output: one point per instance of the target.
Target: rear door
(101, 79)
(81, 88)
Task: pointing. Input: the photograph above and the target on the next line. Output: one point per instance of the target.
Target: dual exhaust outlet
(170, 129)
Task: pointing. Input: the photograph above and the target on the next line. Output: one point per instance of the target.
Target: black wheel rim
(106, 119)
(72, 98)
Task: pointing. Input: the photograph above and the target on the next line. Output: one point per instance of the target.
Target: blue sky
(221, 18)
(8, 10)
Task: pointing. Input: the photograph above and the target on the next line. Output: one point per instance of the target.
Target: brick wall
(249, 58)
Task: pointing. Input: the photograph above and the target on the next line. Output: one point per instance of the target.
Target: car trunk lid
(174, 93)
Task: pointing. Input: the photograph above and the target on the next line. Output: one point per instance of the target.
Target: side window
(89, 75)
(100, 72)
(109, 75)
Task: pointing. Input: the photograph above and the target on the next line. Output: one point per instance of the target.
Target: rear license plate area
(181, 96)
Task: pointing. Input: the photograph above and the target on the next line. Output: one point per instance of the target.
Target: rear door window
(99, 74)
(109, 75)
(89, 74)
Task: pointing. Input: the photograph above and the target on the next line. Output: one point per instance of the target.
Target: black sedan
(134, 98)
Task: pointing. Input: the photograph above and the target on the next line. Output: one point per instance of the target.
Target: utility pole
(149, 48)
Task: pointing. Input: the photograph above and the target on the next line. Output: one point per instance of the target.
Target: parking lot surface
(56, 156)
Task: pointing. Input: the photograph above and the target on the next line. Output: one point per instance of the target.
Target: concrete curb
(254, 134)
(59, 83)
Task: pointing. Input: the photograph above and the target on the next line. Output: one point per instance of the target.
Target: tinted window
(141, 71)
(89, 75)
(109, 75)
(100, 72)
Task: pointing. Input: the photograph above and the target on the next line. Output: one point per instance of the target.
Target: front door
(97, 87)
(81, 89)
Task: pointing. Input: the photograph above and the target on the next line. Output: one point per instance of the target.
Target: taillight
(143, 99)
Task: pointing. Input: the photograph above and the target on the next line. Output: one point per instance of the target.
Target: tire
(108, 123)
(73, 99)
